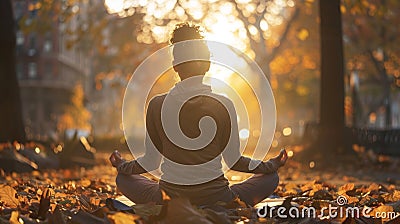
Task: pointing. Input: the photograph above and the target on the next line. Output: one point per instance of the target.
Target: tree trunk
(332, 78)
(11, 124)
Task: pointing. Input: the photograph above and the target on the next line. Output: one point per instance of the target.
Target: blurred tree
(12, 127)
(258, 26)
(373, 52)
(331, 133)
(295, 68)
(76, 115)
(271, 32)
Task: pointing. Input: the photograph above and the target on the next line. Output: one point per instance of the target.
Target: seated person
(140, 189)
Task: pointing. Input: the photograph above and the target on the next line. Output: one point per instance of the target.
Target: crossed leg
(142, 190)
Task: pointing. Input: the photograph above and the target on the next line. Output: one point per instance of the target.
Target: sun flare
(221, 26)
(114, 6)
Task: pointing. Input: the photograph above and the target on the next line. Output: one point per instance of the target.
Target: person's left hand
(281, 158)
(116, 159)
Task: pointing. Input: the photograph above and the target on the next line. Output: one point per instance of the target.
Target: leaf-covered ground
(84, 196)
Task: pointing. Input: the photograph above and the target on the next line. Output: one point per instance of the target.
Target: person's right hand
(116, 159)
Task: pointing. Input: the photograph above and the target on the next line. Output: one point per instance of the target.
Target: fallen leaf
(394, 221)
(180, 210)
(7, 195)
(44, 203)
(95, 201)
(57, 217)
(121, 218)
(347, 187)
(351, 199)
(316, 188)
(383, 209)
(165, 196)
(308, 186)
(291, 189)
(86, 182)
(14, 219)
(392, 197)
(322, 195)
(374, 187)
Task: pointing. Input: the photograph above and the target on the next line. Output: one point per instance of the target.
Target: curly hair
(186, 31)
(182, 51)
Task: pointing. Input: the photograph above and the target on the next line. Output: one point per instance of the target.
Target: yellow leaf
(165, 196)
(291, 189)
(373, 187)
(392, 197)
(7, 195)
(351, 199)
(14, 219)
(347, 187)
(383, 209)
(316, 187)
(121, 218)
(85, 182)
(308, 186)
(289, 186)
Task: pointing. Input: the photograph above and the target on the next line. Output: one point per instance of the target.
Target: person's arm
(152, 158)
(125, 167)
(232, 151)
(264, 167)
(148, 162)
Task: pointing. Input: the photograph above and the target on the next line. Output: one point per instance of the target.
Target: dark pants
(142, 190)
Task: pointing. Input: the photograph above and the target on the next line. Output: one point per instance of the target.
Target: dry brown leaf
(95, 201)
(394, 221)
(86, 182)
(308, 186)
(392, 197)
(350, 199)
(60, 195)
(339, 219)
(383, 209)
(165, 196)
(14, 219)
(291, 189)
(180, 211)
(36, 173)
(7, 195)
(347, 187)
(316, 188)
(350, 220)
(122, 218)
(373, 187)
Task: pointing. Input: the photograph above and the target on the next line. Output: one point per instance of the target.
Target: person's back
(189, 170)
(190, 115)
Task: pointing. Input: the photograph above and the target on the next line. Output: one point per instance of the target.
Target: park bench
(385, 142)
(381, 141)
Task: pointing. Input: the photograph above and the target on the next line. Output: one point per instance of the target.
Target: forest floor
(83, 195)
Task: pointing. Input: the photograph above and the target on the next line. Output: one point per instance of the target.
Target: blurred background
(75, 58)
